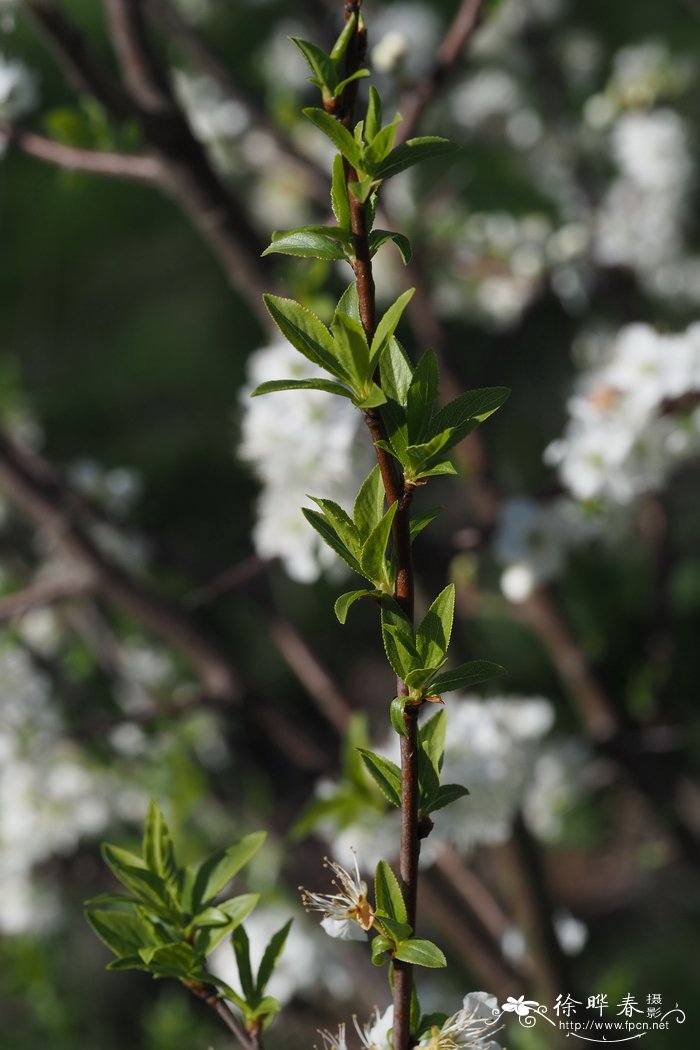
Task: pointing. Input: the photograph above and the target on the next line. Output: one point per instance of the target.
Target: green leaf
(421, 397)
(267, 1008)
(275, 385)
(359, 74)
(327, 533)
(420, 521)
(171, 960)
(420, 455)
(387, 327)
(157, 848)
(339, 195)
(306, 244)
(399, 642)
(386, 775)
(396, 372)
(380, 945)
(373, 556)
(432, 738)
(128, 962)
(235, 911)
(349, 302)
(374, 399)
(270, 956)
(351, 349)
(419, 677)
(413, 152)
(466, 675)
(324, 70)
(345, 601)
(344, 38)
(373, 120)
(339, 135)
(439, 469)
(123, 932)
(146, 886)
(475, 405)
(395, 931)
(428, 781)
(341, 522)
(396, 714)
(305, 332)
(362, 189)
(447, 793)
(209, 878)
(241, 948)
(379, 146)
(420, 953)
(388, 896)
(228, 991)
(368, 510)
(379, 237)
(433, 634)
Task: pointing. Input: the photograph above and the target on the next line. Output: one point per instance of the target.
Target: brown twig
(464, 24)
(48, 506)
(44, 592)
(131, 166)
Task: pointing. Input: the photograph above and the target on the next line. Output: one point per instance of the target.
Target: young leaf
(387, 327)
(349, 302)
(446, 794)
(373, 120)
(428, 781)
(368, 510)
(121, 931)
(339, 195)
(241, 948)
(432, 737)
(421, 397)
(146, 886)
(413, 152)
(306, 244)
(345, 601)
(386, 775)
(275, 385)
(270, 957)
(379, 147)
(396, 372)
(388, 896)
(234, 911)
(359, 74)
(399, 642)
(373, 556)
(324, 70)
(157, 848)
(373, 399)
(362, 189)
(341, 44)
(466, 675)
(209, 878)
(339, 135)
(475, 405)
(171, 960)
(380, 945)
(341, 523)
(327, 533)
(305, 332)
(379, 237)
(418, 523)
(433, 634)
(440, 469)
(396, 710)
(420, 953)
(351, 349)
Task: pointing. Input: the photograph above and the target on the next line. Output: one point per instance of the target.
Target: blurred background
(166, 611)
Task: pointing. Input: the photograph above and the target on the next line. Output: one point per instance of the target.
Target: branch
(24, 476)
(85, 71)
(465, 23)
(45, 592)
(135, 166)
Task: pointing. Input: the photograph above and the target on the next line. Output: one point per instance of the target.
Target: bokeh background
(557, 254)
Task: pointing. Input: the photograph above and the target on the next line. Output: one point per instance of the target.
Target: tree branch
(44, 592)
(464, 24)
(47, 505)
(138, 167)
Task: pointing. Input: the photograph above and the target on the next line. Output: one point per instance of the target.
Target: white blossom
(347, 913)
(324, 457)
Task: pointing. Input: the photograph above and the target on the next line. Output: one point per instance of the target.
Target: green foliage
(327, 69)
(171, 919)
(258, 1009)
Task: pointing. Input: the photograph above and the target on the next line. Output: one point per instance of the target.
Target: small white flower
(471, 1028)
(347, 914)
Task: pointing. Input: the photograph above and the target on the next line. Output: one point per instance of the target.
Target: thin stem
(138, 167)
(396, 492)
(248, 1040)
